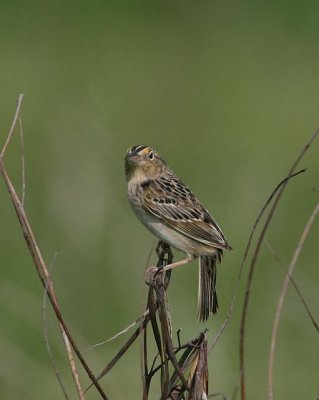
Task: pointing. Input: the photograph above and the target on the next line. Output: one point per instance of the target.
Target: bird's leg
(168, 267)
(162, 249)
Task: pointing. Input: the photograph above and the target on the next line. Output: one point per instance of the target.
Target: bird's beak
(132, 157)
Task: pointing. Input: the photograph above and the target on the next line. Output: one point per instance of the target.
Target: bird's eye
(151, 155)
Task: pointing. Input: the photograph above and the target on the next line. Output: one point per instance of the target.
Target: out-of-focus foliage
(228, 92)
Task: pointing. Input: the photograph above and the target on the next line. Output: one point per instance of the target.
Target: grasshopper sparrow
(168, 208)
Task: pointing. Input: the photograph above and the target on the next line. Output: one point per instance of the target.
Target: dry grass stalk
(41, 267)
(282, 296)
(254, 260)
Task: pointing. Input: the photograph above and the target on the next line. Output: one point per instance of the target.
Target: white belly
(163, 232)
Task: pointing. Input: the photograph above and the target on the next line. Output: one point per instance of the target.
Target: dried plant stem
(312, 318)
(122, 351)
(40, 264)
(43, 273)
(46, 335)
(13, 125)
(282, 299)
(122, 332)
(252, 233)
(22, 162)
(253, 263)
(72, 364)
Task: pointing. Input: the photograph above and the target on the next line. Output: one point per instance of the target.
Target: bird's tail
(207, 296)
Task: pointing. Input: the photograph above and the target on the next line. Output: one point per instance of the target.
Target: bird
(169, 209)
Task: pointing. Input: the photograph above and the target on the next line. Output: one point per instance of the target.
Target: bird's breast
(135, 194)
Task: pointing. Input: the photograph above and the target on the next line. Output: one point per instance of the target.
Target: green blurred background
(228, 93)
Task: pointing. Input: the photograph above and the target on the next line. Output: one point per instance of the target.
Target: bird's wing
(174, 203)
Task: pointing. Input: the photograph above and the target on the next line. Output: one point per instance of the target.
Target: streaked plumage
(168, 208)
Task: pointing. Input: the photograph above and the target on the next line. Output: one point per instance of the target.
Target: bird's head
(143, 162)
